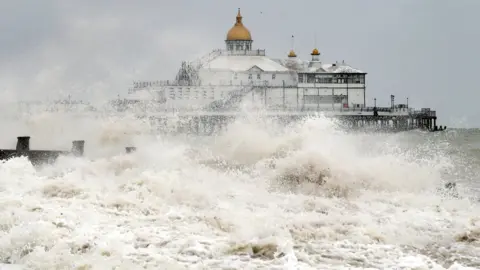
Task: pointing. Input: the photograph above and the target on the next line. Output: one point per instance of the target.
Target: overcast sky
(426, 50)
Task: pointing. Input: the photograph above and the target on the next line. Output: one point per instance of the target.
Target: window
(310, 78)
(356, 78)
(323, 99)
(249, 76)
(258, 76)
(322, 78)
(235, 76)
(300, 78)
(361, 78)
(273, 76)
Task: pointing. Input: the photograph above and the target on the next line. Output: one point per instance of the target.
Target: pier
(378, 119)
(210, 119)
(206, 92)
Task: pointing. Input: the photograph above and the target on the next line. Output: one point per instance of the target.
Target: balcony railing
(146, 84)
(247, 53)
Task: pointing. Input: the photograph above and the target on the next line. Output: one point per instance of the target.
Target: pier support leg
(204, 125)
(196, 125)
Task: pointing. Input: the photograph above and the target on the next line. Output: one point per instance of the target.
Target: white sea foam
(248, 198)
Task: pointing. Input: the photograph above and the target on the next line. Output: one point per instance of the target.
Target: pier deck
(397, 118)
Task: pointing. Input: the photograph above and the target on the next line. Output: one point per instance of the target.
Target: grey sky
(423, 49)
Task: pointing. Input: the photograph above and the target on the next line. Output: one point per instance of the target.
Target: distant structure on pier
(217, 83)
(291, 82)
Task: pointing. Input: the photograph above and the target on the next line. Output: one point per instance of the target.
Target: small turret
(315, 55)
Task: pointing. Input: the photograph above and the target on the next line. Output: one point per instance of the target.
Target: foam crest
(317, 150)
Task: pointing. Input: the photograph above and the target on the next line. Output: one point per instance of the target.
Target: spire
(239, 18)
(292, 51)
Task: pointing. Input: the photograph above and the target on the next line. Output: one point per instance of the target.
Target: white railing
(145, 84)
(206, 58)
(231, 96)
(247, 53)
(425, 112)
(139, 108)
(137, 85)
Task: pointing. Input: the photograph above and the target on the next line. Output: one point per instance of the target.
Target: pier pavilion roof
(299, 65)
(241, 57)
(339, 68)
(241, 63)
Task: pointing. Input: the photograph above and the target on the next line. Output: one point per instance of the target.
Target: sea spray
(190, 202)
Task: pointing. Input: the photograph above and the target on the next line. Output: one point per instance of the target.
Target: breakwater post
(78, 148)
(130, 149)
(23, 144)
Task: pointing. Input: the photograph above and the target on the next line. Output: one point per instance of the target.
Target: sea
(258, 195)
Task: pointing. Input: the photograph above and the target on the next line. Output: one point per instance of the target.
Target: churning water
(257, 196)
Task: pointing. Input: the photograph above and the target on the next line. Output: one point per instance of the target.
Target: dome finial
(292, 52)
(315, 53)
(239, 17)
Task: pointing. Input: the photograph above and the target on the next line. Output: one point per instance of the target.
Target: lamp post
(375, 102)
(407, 102)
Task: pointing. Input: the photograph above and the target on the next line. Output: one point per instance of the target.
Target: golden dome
(315, 52)
(238, 31)
(292, 54)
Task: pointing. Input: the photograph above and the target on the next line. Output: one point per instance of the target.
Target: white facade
(289, 84)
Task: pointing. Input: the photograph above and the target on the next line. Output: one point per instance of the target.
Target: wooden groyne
(38, 157)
